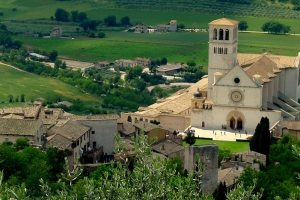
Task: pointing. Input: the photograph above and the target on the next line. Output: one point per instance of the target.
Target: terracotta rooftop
(292, 125)
(176, 103)
(167, 147)
(27, 112)
(19, 126)
(49, 116)
(146, 126)
(168, 67)
(69, 129)
(224, 22)
(59, 141)
(95, 117)
(127, 128)
(228, 175)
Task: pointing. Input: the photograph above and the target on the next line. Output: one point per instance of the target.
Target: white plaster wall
(265, 96)
(291, 81)
(282, 81)
(252, 97)
(105, 132)
(270, 91)
(215, 118)
(173, 122)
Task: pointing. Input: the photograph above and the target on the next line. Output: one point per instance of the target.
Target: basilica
(238, 90)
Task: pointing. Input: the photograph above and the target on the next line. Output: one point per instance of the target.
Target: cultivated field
(14, 82)
(176, 47)
(193, 18)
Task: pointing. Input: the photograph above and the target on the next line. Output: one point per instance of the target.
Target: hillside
(15, 82)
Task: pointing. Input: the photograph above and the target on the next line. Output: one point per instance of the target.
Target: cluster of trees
(243, 26)
(275, 27)
(261, 139)
(193, 74)
(248, 2)
(140, 80)
(17, 99)
(279, 178)
(24, 164)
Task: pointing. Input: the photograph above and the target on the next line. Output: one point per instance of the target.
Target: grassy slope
(32, 86)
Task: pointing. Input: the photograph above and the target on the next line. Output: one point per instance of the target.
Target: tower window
(215, 34)
(227, 34)
(225, 50)
(221, 33)
(215, 49)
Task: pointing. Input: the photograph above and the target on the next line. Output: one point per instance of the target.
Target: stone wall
(209, 159)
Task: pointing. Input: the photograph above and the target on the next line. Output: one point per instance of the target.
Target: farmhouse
(39, 56)
(102, 65)
(169, 69)
(238, 90)
(141, 29)
(56, 32)
(125, 63)
(144, 62)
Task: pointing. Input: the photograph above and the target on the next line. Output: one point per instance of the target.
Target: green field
(14, 82)
(233, 146)
(176, 47)
(35, 9)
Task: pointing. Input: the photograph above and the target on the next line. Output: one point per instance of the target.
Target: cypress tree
(265, 140)
(254, 143)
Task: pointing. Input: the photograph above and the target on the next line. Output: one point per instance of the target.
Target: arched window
(129, 118)
(203, 124)
(215, 34)
(221, 33)
(146, 120)
(196, 105)
(226, 34)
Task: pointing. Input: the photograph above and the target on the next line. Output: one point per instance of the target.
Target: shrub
(101, 35)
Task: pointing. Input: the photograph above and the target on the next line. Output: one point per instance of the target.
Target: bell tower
(223, 42)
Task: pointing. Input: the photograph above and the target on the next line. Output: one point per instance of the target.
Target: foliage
(243, 26)
(110, 21)
(21, 143)
(275, 27)
(223, 153)
(220, 192)
(53, 55)
(279, 175)
(245, 193)
(163, 61)
(101, 35)
(190, 137)
(261, 140)
(61, 15)
(191, 63)
(125, 21)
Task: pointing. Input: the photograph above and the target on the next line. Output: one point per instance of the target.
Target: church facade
(242, 88)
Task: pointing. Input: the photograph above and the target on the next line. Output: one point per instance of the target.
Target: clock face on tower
(236, 96)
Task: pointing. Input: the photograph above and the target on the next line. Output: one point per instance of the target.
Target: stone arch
(203, 124)
(146, 120)
(235, 120)
(135, 120)
(215, 34)
(226, 34)
(196, 105)
(221, 34)
(129, 118)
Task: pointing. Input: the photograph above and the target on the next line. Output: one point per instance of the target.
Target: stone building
(209, 161)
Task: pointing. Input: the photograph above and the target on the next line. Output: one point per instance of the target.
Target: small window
(94, 144)
(77, 143)
(225, 50)
(221, 33)
(236, 80)
(93, 132)
(215, 34)
(226, 34)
